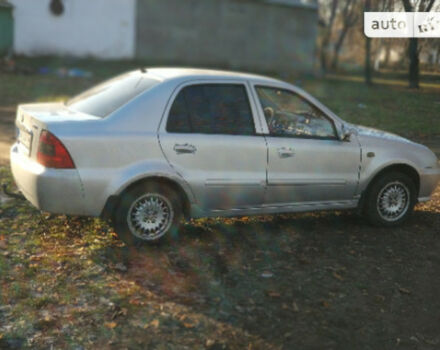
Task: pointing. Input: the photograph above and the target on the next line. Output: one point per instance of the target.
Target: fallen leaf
(404, 290)
(155, 323)
(295, 307)
(111, 325)
(3, 244)
(338, 276)
(136, 302)
(413, 338)
(326, 304)
(273, 294)
(121, 267)
(189, 325)
(210, 342)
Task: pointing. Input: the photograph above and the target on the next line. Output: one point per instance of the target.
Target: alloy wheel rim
(150, 216)
(393, 201)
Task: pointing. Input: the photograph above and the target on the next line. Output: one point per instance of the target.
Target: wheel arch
(113, 200)
(397, 167)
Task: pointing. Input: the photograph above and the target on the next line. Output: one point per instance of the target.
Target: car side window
(178, 120)
(211, 109)
(288, 114)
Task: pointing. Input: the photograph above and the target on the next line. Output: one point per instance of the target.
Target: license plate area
(25, 141)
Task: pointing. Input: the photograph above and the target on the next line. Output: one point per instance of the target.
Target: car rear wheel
(390, 200)
(148, 213)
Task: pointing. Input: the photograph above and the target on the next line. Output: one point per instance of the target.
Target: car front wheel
(390, 200)
(148, 213)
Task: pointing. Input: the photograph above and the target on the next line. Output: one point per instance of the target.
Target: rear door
(209, 136)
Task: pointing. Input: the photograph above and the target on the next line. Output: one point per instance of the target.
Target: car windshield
(103, 99)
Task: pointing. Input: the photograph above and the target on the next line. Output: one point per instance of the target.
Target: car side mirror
(345, 133)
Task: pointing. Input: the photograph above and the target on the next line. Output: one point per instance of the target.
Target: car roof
(177, 73)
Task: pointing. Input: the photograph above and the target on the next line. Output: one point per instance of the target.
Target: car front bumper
(53, 190)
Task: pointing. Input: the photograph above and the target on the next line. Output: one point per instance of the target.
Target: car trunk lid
(32, 119)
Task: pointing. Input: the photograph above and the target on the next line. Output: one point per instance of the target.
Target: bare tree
(328, 14)
(381, 6)
(384, 43)
(349, 16)
(368, 79)
(413, 49)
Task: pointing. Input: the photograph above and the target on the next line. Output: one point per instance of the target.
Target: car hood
(397, 146)
(376, 133)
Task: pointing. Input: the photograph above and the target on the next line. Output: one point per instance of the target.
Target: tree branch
(431, 3)
(407, 5)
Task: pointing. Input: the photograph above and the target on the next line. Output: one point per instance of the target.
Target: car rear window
(211, 109)
(103, 99)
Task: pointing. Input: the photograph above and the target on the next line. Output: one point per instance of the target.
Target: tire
(148, 213)
(390, 200)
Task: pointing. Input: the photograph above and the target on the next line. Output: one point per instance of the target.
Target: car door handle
(185, 148)
(285, 152)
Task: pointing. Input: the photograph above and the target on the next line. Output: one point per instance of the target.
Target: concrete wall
(99, 28)
(240, 34)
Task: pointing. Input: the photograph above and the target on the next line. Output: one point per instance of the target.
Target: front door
(209, 138)
(307, 164)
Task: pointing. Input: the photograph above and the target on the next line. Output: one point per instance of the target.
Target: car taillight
(52, 153)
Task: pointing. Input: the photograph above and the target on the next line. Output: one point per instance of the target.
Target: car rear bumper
(429, 180)
(52, 190)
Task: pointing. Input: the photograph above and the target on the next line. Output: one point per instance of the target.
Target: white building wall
(98, 28)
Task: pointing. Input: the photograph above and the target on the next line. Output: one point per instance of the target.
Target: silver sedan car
(152, 146)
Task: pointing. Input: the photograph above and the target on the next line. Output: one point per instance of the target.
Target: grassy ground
(303, 281)
(414, 114)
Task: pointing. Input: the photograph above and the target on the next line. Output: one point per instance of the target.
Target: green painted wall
(6, 29)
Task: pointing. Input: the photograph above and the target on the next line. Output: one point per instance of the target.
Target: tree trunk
(338, 47)
(367, 50)
(437, 57)
(323, 56)
(386, 62)
(349, 18)
(413, 54)
(368, 61)
(413, 50)
(327, 35)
